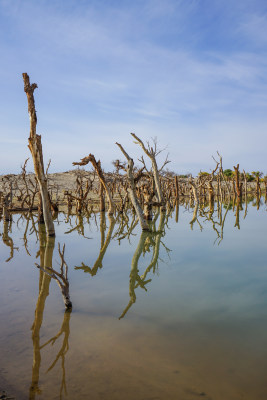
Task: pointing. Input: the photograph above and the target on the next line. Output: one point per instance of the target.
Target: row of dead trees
(125, 222)
(141, 188)
(136, 188)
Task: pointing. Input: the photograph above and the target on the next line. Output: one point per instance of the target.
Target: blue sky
(192, 73)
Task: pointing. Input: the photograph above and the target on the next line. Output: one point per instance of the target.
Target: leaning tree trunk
(98, 169)
(35, 146)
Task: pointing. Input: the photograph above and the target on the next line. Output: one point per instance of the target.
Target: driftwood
(35, 146)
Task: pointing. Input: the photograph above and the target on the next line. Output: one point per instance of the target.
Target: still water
(177, 314)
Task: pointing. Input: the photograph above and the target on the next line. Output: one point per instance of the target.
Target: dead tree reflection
(217, 225)
(147, 240)
(135, 279)
(176, 211)
(104, 245)
(7, 240)
(158, 234)
(47, 245)
(238, 208)
(79, 227)
(126, 226)
(65, 331)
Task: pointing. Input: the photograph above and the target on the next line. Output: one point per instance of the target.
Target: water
(180, 314)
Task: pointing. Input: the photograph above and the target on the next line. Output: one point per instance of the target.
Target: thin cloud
(190, 73)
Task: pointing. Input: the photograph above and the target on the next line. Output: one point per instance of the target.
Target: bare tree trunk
(176, 188)
(237, 184)
(131, 190)
(40, 209)
(35, 146)
(258, 186)
(194, 190)
(101, 197)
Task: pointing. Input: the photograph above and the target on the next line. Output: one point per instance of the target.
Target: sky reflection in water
(179, 313)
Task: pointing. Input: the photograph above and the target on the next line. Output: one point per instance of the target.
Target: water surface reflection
(192, 315)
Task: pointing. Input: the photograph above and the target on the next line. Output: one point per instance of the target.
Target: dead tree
(131, 190)
(152, 152)
(35, 146)
(194, 189)
(98, 169)
(258, 186)
(238, 185)
(221, 173)
(61, 278)
(176, 187)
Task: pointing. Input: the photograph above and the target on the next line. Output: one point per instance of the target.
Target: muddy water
(179, 314)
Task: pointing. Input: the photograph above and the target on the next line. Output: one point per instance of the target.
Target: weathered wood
(101, 197)
(151, 153)
(35, 146)
(61, 278)
(131, 190)
(98, 169)
(176, 187)
(238, 187)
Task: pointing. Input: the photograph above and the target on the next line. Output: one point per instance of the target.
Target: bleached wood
(35, 146)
